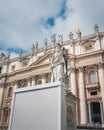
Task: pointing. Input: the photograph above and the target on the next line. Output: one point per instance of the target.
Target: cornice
(27, 69)
(42, 58)
(72, 56)
(27, 76)
(89, 54)
(84, 38)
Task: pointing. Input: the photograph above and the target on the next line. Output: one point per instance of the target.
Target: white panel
(37, 109)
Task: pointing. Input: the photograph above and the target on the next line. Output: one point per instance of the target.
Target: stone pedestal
(71, 117)
(46, 106)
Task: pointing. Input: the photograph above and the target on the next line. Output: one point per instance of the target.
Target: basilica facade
(85, 74)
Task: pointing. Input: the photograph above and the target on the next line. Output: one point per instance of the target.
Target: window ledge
(93, 86)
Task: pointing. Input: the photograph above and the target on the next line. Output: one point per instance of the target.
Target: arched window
(10, 92)
(92, 77)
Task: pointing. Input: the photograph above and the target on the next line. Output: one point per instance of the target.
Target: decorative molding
(29, 78)
(88, 41)
(88, 60)
(70, 118)
(100, 65)
(80, 69)
(16, 82)
(72, 70)
(95, 86)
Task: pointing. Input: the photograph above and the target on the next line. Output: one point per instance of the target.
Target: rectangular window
(88, 47)
(93, 93)
(13, 67)
(24, 63)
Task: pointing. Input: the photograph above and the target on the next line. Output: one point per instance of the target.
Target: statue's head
(58, 47)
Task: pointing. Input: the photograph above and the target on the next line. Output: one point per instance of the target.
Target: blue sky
(24, 22)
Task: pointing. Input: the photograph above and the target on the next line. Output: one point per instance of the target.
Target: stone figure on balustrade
(20, 53)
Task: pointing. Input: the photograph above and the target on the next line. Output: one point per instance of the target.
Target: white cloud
(81, 15)
(20, 21)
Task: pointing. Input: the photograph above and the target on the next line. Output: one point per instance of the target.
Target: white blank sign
(38, 108)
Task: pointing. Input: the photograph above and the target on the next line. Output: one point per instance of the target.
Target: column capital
(89, 102)
(16, 82)
(44, 74)
(72, 70)
(33, 76)
(101, 65)
(29, 78)
(80, 69)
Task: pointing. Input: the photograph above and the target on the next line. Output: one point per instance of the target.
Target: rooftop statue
(79, 33)
(2, 56)
(33, 49)
(96, 28)
(59, 65)
(45, 44)
(53, 38)
(60, 39)
(20, 53)
(71, 36)
(37, 46)
(8, 55)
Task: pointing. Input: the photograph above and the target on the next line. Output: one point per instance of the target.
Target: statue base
(43, 107)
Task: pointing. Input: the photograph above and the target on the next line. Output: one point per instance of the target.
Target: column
(29, 81)
(83, 106)
(101, 82)
(33, 80)
(43, 79)
(89, 112)
(101, 109)
(73, 82)
(73, 86)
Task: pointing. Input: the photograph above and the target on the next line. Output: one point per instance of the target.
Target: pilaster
(82, 97)
(101, 82)
(33, 80)
(43, 78)
(73, 81)
(29, 81)
(89, 111)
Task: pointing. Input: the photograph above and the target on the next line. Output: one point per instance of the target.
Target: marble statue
(45, 44)
(8, 56)
(36, 46)
(20, 53)
(60, 39)
(96, 28)
(59, 64)
(71, 36)
(53, 38)
(33, 49)
(78, 33)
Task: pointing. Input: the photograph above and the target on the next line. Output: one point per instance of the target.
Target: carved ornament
(101, 65)
(72, 70)
(80, 69)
